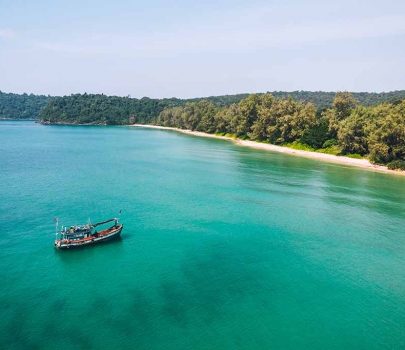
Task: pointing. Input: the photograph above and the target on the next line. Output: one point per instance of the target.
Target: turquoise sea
(223, 247)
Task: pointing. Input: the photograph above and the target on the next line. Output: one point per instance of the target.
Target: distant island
(21, 106)
(358, 125)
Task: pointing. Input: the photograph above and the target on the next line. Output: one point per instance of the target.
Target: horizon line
(202, 97)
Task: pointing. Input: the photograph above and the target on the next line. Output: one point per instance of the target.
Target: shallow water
(223, 247)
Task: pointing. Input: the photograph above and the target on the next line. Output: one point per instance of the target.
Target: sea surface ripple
(223, 247)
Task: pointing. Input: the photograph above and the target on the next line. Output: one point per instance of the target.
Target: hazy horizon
(200, 49)
(195, 97)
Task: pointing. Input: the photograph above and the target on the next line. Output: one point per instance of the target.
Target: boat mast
(116, 220)
(56, 225)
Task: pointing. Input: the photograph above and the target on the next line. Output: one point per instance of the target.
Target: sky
(198, 48)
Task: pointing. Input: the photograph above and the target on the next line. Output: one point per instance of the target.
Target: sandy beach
(362, 163)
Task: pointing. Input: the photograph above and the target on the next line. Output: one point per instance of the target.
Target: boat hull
(100, 238)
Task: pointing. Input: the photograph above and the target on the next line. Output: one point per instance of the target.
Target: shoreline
(69, 124)
(361, 163)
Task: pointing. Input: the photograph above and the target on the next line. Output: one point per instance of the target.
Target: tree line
(117, 110)
(104, 110)
(347, 128)
(24, 106)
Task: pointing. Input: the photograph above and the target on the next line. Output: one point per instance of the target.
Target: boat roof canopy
(104, 222)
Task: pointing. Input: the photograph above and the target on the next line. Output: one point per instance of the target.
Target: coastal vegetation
(24, 106)
(114, 110)
(347, 128)
(104, 109)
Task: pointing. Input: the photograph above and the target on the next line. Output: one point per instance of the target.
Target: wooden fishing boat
(83, 235)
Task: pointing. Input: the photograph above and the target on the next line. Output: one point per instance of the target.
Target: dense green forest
(100, 109)
(15, 106)
(320, 99)
(104, 110)
(347, 128)
(114, 110)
